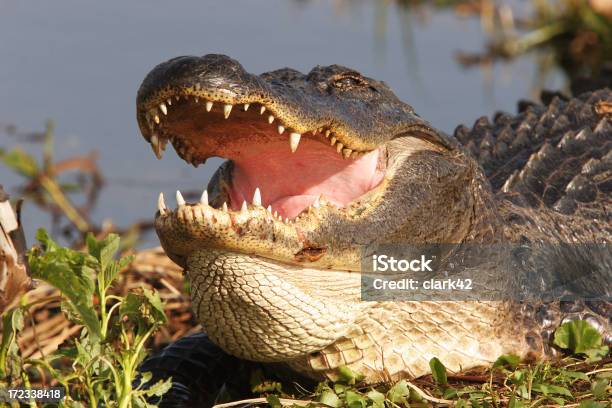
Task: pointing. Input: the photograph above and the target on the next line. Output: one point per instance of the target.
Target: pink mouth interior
(290, 182)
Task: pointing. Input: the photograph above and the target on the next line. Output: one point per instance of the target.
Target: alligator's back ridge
(556, 155)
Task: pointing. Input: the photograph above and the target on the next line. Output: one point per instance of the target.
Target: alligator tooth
(317, 202)
(319, 130)
(270, 119)
(346, 153)
(157, 146)
(161, 205)
(244, 207)
(177, 97)
(286, 220)
(156, 118)
(257, 197)
(275, 214)
(204, 198)
(163, 108)
(224, 207)
(209, 106)
(339, 147)
(355, 155)
(227, 109)
(196, 99)
(314, 132)
(262, 110)
(281, 129)
(169, 100)
(246, 106)
(179, 198)
(269, 209)
(294, 141)
(333, 141)
(327, 133)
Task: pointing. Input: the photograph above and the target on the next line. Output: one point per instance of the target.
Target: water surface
(81, 62)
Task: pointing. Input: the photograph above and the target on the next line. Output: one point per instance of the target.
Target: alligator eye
(348, 81)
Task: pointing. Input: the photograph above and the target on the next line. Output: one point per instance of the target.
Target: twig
(62, 201)
(428, 397)
(602, 370)
(283, 401)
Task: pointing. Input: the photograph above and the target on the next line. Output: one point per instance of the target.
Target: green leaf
(10, 359)
(377, 398)
(509, 360)
(104, 251)
(144, 309)
(558, 400)
(514, 403)
(274, 401)
(348, 376)
(575, 375)
(72, 273)
(355, 399)
(156, 304)
(261, 385)
(475, 403)
(556, 389)
(328, 397)
(523, 392)
(596, 354)
(548, 389)
(21, 162)
(449, 393)
(607, 375)
(340, 388)
(518, 377)
(599, 389)
(145, 378)
(160, 388)
(541, 388)
(438, 371)
(592, 404)
(578, 336)
(461, 403)
(398, 393)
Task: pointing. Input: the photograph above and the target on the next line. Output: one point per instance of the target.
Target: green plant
(99, 367)
(571, 381)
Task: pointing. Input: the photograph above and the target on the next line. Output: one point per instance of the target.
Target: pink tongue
(290, 182)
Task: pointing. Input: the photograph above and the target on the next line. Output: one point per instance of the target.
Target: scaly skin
(273, 290)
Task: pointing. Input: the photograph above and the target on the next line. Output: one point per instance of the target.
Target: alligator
(322, 165)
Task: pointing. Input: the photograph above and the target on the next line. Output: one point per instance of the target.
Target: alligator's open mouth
(309, 157)
(274, 166)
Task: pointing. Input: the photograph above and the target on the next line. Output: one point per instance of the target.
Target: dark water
(81, 62)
